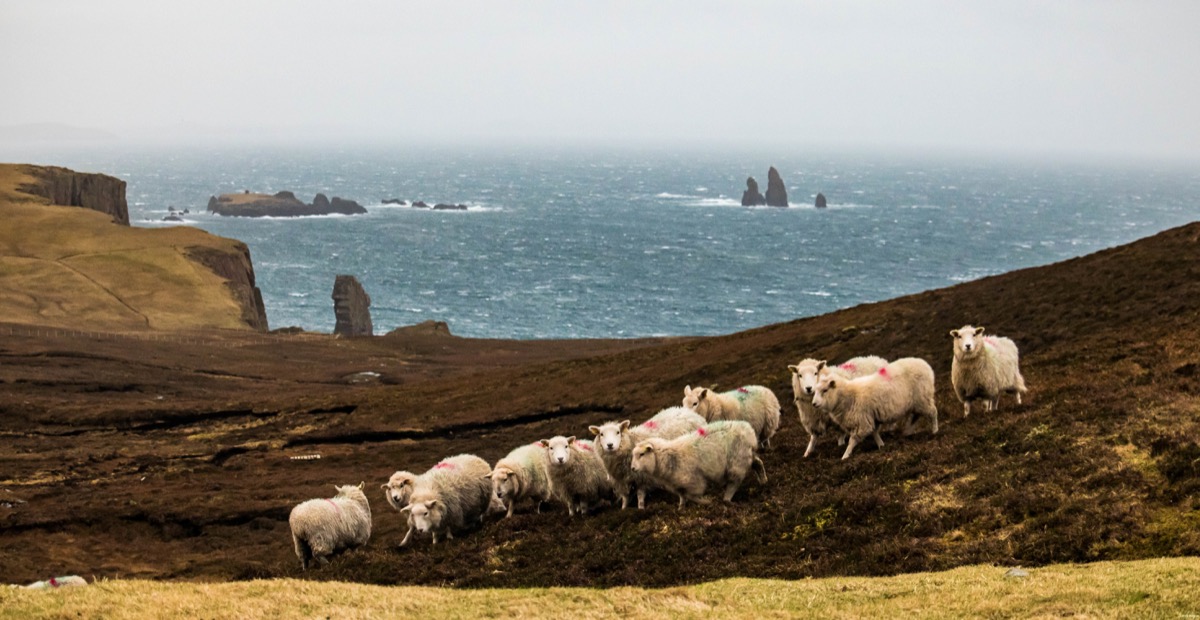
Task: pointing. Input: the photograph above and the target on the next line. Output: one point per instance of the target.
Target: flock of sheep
(709, 444)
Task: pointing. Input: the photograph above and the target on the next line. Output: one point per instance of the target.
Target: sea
(612, 243)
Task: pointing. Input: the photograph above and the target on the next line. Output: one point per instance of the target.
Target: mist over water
(623, 243)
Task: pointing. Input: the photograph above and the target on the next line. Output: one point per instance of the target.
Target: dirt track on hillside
(172, 458)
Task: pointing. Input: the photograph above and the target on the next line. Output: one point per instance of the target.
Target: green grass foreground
(1158, 588)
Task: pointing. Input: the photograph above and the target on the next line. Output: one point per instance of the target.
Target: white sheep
(576, 472)
(399, 488)
(983, 367)
(900, 392)
(717, 455)
(754, 404)
(523, 473)
(322, 527)
(615, 441)
(452, 495)
(805, 376)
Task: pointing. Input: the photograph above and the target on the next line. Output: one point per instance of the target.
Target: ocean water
(608, 243)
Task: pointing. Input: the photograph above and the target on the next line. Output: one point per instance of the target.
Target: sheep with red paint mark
(523, 473)
(806, 375)
(451, 496)
(984, 367)
(615, 442)
(900, 393)
(323, 527)
(577, 474)
(718, 455)
(753, 404)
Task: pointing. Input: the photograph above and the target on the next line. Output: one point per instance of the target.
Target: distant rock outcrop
(282, 204)
(820, 204)
(351, 307)
(752, 197)
(776, 191)
(441, 206)
(393, 201)
(98, 192)
(424, 328)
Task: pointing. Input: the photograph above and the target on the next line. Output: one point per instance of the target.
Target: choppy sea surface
(609, 243)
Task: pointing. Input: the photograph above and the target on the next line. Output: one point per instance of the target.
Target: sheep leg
(761, 470)
(933, 424)
(641, 493)
(407, 536)
(842, 439)
(812, 442)
(434, 532)
(682, 499)
(878, 439)
(513, 502)
(583, 507)
(732, 487)
(850, 446)
(539, 506)
(449, 535)
(966, 408)
(1018, 397)
(624, 500)
(994, 404)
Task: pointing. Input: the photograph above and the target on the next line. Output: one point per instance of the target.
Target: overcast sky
(1014, 76)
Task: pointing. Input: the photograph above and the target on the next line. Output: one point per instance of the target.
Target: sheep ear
(595, 430)
(954, 333)
(794, 368)
(979, 330)
(361, 484)
(820, 365)
(624, 425)
(832, 384)
(545, 443)
(703, 393)
(384, 487)
(407, 508)
(489, 475)
(687, 390)
(337, 488)
(431, 503)
(571, 439)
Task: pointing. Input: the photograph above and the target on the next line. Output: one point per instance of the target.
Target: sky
(1021, 76)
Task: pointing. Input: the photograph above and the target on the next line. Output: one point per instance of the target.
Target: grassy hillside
(1145, 589)
(73, 268)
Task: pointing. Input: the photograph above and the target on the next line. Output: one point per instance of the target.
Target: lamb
(322, 527)
(399, 488)
(617, 439)
(983, 367)
(450, 496)
(719, 454)
(753, 403)
(523, 473)
(805, 376)
(577, 474)
(861, 406)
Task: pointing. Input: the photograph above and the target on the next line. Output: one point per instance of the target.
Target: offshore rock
(351, 307)
(752, 197)
(820, 200)
(776, 191)
(282, 204)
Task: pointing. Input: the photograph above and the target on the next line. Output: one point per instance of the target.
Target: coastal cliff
(87, 269)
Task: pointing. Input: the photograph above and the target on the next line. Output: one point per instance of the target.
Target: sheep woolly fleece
(984, 367)
(717, 455)
(806, 375)
(450, 496)
(754, 404)
(615, 442)
(322, 527)
(860, 406)
(523, 473)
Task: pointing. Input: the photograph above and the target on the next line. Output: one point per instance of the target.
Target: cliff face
(72, 268)
(98, 192)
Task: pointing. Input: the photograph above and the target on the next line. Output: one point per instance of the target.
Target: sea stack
(351, 307)
(776, 191)
(820, 200)
(752, 197)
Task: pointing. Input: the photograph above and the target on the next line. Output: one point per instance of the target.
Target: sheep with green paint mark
(753, 404)
(323, 527)
(615, 441)
(716, 456)
(901, 392)
(805, 377)
(984, 367)
(451, 496)
(576, 473)
(523, 473)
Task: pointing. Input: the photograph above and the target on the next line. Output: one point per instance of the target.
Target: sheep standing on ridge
(717, 455)
(615, 441)
(523, 473)
(577, 474)
(322, 527)
(983, 367)
(450, 496)
(900, 392)
(805, 377)
(754, 404)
